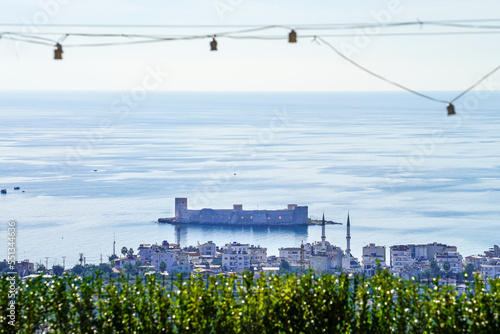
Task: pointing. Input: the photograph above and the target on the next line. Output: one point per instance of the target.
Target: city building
(235, 257)
(293, 256)
(400, 257)
(490, 270)
(428, 251)
(477, 261)
(453, 258)
(163, 256)
(146, 250)
(132, 259)
(257, 254)
(493, 252)
(207, 249)
(372, 255)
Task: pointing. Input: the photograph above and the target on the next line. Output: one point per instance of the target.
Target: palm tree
(124, 250)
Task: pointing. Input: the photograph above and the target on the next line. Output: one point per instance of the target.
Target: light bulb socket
(451, 109)
(213, 45)
(58, 51)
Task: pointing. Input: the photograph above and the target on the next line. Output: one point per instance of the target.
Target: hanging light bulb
(58, 51)
(292, 37)
(213, 44)
(451, 109)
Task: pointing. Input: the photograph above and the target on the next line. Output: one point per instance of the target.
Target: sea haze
(94, 166)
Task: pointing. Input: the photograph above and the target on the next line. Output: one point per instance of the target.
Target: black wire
(451, 33)
(28, 36)
(377, 75)
(173, 37)
(474, 85)
(135, 42)
(457, 25)
(29, 41)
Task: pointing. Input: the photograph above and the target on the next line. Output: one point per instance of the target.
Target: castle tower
(348, 238)
(181, 208)
(323, 236)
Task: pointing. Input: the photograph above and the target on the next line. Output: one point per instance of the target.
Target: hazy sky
(451, 62)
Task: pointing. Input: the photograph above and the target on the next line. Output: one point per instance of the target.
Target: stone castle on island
(292, 215)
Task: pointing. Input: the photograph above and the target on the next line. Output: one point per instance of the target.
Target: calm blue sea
(99, 165)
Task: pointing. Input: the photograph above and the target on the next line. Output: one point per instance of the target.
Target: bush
(276, 304)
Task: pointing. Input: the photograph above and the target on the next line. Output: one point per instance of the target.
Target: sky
(424, 63)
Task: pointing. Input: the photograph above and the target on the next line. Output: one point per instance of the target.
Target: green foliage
(130, 269)
(249, 304)
(446, 266)
(78, 269)
(284, 267)
(58, 270)
(468, 272)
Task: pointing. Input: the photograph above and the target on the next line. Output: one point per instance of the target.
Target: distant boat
(3, 191)
(16, 188)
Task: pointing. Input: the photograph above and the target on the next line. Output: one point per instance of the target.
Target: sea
(94, 168)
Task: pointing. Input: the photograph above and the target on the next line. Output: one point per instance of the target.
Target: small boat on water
(3, 191)
(16, 188)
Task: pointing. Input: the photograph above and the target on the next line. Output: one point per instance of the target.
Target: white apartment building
(146, 250)
(428, 251)
(167, 257)
(235, 257)
(373, 253)
(490, 270)
(453, 258)
(120, 262)
(477, 261)
(236, 246)
(400, 257)
(207, 249)
(292, 255)
(257, 254)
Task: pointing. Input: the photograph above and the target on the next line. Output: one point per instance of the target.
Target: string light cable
(451, 108)
(38, 38)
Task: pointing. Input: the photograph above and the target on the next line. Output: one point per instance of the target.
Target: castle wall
(294, 215)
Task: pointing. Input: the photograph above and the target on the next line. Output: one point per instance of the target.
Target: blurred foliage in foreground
(291, 304)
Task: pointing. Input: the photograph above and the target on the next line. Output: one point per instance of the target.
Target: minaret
(114, 244)
(348, 237)
(323, 236)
